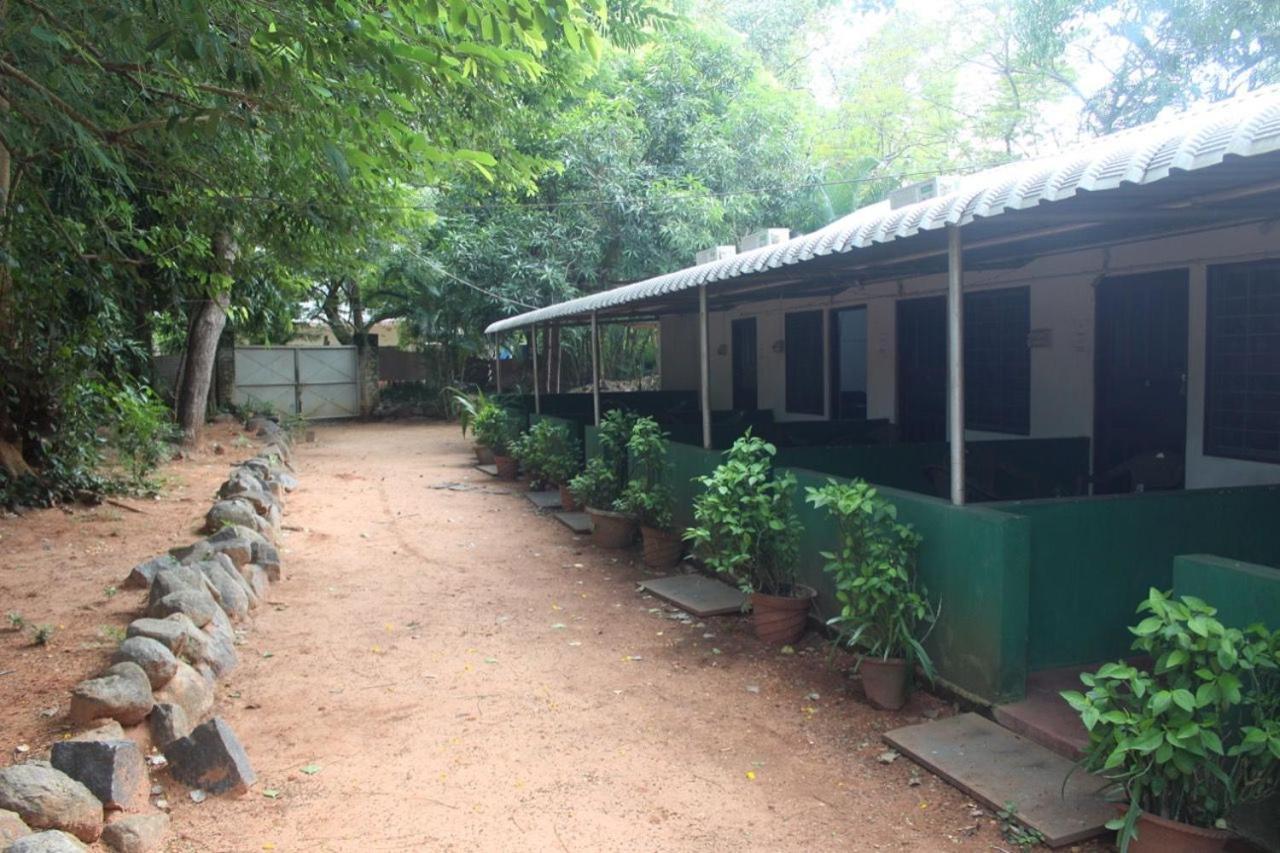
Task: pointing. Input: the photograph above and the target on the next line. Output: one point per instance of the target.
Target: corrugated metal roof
(1245, 126)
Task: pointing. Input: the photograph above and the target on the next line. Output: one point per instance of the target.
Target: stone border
(200, 597)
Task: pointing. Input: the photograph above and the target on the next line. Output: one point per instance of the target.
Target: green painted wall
(575, 427)
(974, 561)
(1093, 559)
(1013, 469)
(1244, 593)
(591, 441)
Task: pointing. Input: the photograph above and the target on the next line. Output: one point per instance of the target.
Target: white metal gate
(315, 382)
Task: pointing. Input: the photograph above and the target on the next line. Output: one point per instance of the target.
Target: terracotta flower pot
(1161, 835)
(567, 501)
(484, 456)
(662, 548)
(885, 682)
(611, 529)
(780, 619)
(508, 467)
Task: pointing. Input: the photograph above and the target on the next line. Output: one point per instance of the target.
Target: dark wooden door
(849, 364)
(922, 369)
(1140, 380)
(745, 395)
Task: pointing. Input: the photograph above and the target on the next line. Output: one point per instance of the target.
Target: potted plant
(648, 498)
(1190, 735)
(548, 454)
(495, 430)
(746, 529)
(465, 406)
(885, 616)
(600, 485)
(563, 462)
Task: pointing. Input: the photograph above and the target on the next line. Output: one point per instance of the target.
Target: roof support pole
(497, 361)
(595, 366)
(955, 361)
(533, 348)
(704, 360)
(552, 359)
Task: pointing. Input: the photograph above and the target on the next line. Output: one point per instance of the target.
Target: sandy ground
(444, 669)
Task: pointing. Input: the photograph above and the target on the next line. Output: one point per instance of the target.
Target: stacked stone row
(163, 674)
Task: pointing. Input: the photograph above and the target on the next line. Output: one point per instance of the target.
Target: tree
(1155, 53)
(139, 138)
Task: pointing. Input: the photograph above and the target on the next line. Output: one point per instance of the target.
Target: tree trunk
(202, 347)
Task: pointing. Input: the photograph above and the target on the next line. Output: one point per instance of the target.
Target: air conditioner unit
(764, 237)
(922, 191)
(715, 253)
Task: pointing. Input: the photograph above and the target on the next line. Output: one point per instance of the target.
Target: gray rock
(50, 841)
(49, 799)
(153, 656)
(11, 827)
(257, 578)
(229, 569)
(268, 557)
(240, 551)
(142, 833)
(233, 512)
(287, 481)
(123, 693)
(109, 730)
(226, 591)
(141, 575)
(168, 722)
(173, 579)
(171, 632)
(113, 770)
(237, 531)
(258, 423)
(261, 499)
(199, 605)
(188, 690)
(212, 759)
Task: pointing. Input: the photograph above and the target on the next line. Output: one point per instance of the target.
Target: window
(804, 363)
(997, 362)
(1242, 362)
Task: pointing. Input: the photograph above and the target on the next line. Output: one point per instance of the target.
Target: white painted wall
(1062, 301)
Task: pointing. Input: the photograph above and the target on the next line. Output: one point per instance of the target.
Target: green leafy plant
(1014, 831)
(596, 486)
(746, 528)
(464, 405)
(646, 495)
(883, 611)
(42, 634)
(141, 430)
(548, 453)
(1199, 733)
(493, 427)
(615, 433)
(16, 620)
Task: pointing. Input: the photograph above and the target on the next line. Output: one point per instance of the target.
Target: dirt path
(460, 673)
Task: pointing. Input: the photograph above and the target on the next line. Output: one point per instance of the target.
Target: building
(1065, 372)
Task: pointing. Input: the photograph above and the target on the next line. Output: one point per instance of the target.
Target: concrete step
(998, 767)
(1044, 716)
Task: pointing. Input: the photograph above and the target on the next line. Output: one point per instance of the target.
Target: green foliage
(614, 434)
(647, 495)
(1199, 733)
(597, 486)
(882, 608)
(464, 405)
(494, 428)
(42, 635)
(1014, 831)
(548, 453)
(16, 620)
(746, 528)
(141, 430)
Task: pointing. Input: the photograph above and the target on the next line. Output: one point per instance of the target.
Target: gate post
(366, 372)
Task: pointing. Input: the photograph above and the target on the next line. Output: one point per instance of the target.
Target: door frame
(733, 359)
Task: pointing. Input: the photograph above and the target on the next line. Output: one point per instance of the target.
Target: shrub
(646, 495)
(746, 527)
(141, 430)
(882, 611)
(548, 453)
(596, 486)
(494, 428)
(1199, 733)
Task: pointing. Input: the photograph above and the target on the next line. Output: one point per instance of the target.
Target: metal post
(533, 347)
(497, 361)
(595, 366)
(704, 347)
(955, 362)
